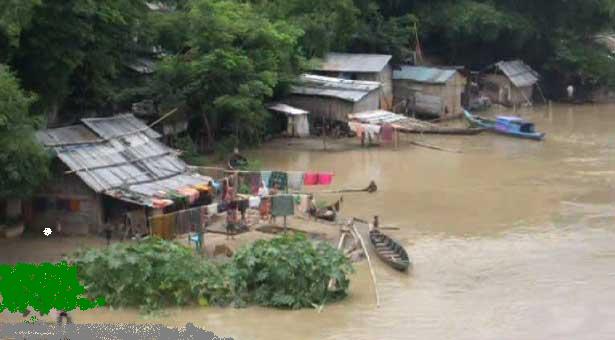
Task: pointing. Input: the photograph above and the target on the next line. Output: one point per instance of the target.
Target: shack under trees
(509, 83)
(333, 98)
(360, 66)
(105, 169)
(428, 90)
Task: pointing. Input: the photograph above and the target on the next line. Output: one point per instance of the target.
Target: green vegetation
(24, 162)
(42, 287)
(223, 59)
(289, 272)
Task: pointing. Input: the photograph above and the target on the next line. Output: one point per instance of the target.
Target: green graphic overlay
(43, 287)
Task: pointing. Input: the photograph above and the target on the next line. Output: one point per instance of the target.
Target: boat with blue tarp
(507, 125)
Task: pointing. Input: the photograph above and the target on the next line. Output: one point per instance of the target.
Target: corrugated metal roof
(519, 73)
(76, 134)
(353, 62)
(421, 74)
(377, 117)
(349, 90)
(142, 65)
(127, 157)
(287, 109)
(120, 125)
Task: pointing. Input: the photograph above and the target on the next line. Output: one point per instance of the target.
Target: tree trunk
(53, 118)
(208, 135)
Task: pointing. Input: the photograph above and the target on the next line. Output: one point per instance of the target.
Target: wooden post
(339, 247)
(324, 134)
(369, 263)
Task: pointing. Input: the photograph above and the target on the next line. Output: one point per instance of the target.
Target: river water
(510, 239)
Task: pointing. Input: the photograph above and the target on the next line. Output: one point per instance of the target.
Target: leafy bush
(288, 272)
(151, 274)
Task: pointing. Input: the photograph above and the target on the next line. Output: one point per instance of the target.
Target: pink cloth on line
(310, 178)
(325, 178)
(387, 133)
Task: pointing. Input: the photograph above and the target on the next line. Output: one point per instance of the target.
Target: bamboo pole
(434, 147)
(369, 263)
(339, 247)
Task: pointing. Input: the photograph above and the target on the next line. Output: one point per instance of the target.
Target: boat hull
(491, 126)
(389, 251)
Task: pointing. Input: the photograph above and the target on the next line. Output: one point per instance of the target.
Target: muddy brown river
(510, 239)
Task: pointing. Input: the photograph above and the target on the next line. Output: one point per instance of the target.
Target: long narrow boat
(389, 251)
(506, 125)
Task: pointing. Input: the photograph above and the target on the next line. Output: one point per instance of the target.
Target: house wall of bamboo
(333, 108)
(501, 90)
(68, 200)
(436, 99)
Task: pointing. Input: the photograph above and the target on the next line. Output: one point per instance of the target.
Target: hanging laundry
(371, 130)
(357, 128)
(230, 194)
(295, 180)
(310, 178)
(203, 187)
(74, 205)
(325, 178)
(263, 190)
(386, 132)
(304, 204)
(212, 209)
(158, 203)
(194, 217)
(282, 205)
(254, 202)
(218, 186)
(278, 180)
(177, 197)
(182, 223)
(255, 182)
(265, 208)
(265, 176)
(222, 207)
(163, 226)
(191, 194)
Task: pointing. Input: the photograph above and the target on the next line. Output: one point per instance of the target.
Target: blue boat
(506, 125)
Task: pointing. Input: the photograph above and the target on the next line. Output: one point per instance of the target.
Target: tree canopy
(226, 58)
(24, 162)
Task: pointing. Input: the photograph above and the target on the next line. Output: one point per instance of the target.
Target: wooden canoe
(389, 251)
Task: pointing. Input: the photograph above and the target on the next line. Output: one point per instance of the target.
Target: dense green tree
(71, 50)
(24, 162)
(235, 60)
(327, 24)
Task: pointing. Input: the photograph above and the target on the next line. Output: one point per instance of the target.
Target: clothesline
(241, 171)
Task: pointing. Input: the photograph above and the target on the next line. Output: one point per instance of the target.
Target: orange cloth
(161, 203)
(74, 205)
(192, 194)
